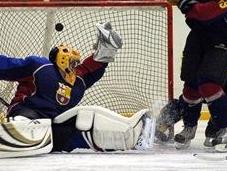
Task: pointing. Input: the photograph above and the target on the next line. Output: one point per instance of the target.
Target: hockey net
(142, 72)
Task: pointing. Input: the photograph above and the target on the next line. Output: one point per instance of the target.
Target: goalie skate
(146, 139)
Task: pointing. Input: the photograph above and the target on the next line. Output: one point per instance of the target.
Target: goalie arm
(90, 71)
(14, 69)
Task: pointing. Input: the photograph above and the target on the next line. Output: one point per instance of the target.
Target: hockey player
(47, 94)
(204, 66)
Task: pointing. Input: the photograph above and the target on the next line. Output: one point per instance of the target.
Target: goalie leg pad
(25, 137)
(104, 129)
(110, 131)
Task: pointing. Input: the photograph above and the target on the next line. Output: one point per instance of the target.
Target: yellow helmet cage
(67, 57)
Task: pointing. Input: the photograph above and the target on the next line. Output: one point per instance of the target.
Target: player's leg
(20, 110)
(191, 101)
(211, 133)
(21, 136)
(64, 134)
(106, 130)
(66, 137)
(191, 105)
(23, 133)
(170, 114)
(212, 78)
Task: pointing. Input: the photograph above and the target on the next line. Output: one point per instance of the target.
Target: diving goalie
(43, 116)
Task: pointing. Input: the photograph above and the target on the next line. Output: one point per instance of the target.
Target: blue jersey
(41, 86)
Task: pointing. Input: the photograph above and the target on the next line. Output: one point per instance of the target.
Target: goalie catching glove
(104, 130)
(108, 42)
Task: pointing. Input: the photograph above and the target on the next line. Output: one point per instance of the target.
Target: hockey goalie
(44, 117)
(82, 127)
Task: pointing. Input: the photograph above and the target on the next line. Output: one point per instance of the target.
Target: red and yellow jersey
(208, 11)
(210, 18)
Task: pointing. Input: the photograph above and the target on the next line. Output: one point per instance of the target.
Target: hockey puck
(59, 27)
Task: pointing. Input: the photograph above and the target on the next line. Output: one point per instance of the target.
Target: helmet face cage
(67, 58)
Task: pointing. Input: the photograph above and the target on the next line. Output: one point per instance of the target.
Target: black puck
(59, 27)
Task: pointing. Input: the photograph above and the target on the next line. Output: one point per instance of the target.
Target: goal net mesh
(139, 75)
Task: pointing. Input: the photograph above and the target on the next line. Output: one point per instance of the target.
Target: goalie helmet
(65, 57)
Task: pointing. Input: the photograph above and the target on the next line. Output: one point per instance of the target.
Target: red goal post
(143, 71)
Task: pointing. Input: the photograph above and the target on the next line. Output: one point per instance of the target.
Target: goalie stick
(211, 156)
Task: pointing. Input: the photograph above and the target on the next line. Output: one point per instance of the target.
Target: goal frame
(107, 3)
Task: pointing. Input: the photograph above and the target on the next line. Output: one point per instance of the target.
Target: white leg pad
(111, 132)
(104, 128)
(25, 137)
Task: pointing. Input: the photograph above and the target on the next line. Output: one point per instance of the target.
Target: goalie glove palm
(108, 42)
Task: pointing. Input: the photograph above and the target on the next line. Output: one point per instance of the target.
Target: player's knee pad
(218, 110)
(211, 91)
(191, 95)
(217, 102)
(24, 137)
(104, 129)
(191, 101)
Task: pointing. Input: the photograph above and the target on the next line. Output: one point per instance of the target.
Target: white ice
(161, 158)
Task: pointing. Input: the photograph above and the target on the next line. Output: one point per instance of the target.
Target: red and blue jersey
(211, 18)
(41, 86)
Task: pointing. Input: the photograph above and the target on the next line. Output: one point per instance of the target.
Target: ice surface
(161, 158)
